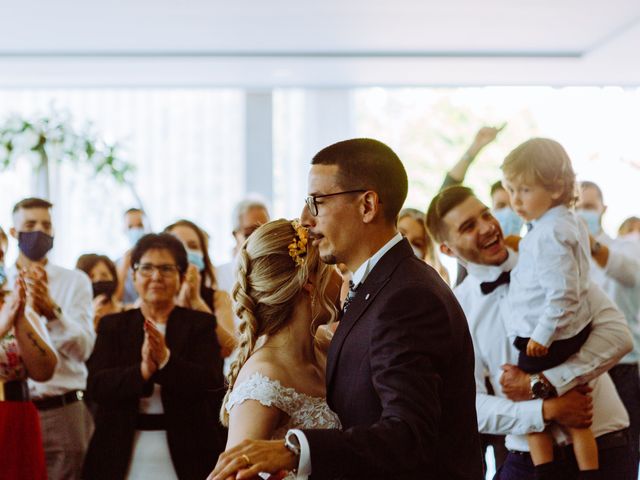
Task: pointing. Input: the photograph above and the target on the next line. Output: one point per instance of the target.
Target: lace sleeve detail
(269, 393)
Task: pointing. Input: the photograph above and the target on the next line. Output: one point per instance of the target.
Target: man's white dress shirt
(608, 341)
(620, 280)
(72, 334)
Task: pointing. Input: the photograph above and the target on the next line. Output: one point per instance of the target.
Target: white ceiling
(331, 43)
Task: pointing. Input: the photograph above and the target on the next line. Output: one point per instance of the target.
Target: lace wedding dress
(304, 410)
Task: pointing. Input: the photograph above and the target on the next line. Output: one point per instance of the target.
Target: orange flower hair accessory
(298, 248)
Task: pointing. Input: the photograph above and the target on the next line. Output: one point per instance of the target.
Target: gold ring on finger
(247, 460)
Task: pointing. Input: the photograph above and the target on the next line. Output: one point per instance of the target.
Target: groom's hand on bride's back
(251, 457)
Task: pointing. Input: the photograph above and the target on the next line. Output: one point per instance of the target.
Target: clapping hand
(158, 350)
(102, 306)
(147, 367)
(38, 296)
(14, 307)
(190, 290)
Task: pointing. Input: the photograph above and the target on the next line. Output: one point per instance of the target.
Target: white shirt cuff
(532, 411)
(304, 463)
(561, 378)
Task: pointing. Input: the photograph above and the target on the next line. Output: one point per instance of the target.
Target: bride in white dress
(284, 293)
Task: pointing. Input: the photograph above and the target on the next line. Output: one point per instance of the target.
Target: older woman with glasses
(152, 373)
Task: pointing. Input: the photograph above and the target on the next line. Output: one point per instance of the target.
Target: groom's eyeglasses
(312, 205)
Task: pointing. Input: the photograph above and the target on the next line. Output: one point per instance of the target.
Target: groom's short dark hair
(365, 163)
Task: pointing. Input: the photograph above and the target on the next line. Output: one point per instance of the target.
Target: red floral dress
(20, 436)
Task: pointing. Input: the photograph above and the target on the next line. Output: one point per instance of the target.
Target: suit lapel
(177, 330)
(367, 292)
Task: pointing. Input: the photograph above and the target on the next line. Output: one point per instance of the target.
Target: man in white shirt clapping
(62, 300)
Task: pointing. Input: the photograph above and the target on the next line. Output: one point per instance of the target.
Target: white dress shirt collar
(489, 273)
(361, 274)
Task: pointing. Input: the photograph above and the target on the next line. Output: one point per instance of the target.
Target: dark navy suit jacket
(400, 377)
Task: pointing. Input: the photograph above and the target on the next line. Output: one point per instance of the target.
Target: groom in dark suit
(400, 366)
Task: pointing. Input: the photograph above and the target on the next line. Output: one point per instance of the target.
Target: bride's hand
(251, 457)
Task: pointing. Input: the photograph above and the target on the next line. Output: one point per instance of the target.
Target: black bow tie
(488, 287)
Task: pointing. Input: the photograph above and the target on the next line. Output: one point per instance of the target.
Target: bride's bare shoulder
(265, 364)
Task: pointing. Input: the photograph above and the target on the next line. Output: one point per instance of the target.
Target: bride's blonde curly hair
(268, 281)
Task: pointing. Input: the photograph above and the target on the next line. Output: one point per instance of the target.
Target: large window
(187, 147)
(431, 128)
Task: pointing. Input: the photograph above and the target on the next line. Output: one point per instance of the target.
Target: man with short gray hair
(248, 215)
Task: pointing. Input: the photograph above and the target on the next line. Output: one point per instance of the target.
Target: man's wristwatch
(541, 387)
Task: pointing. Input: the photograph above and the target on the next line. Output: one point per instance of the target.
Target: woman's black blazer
(190, 382)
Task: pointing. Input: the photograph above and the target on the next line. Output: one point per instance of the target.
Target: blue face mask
(509, 220)
(3, 275)
(135, 234)
(196, 258)
(592, 219)
(35, 245)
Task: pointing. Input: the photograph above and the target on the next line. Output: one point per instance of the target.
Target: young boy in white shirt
(547, 297)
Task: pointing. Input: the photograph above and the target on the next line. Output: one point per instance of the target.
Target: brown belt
(58, 401)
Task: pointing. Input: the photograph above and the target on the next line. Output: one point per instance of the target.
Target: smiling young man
(400, 365)
(466, 229)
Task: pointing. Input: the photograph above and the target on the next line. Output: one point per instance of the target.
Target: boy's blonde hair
(545, 162)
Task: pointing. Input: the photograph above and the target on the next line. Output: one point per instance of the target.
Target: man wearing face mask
(62, 300)
(510, 222)
(615, 267)
(135, 229)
